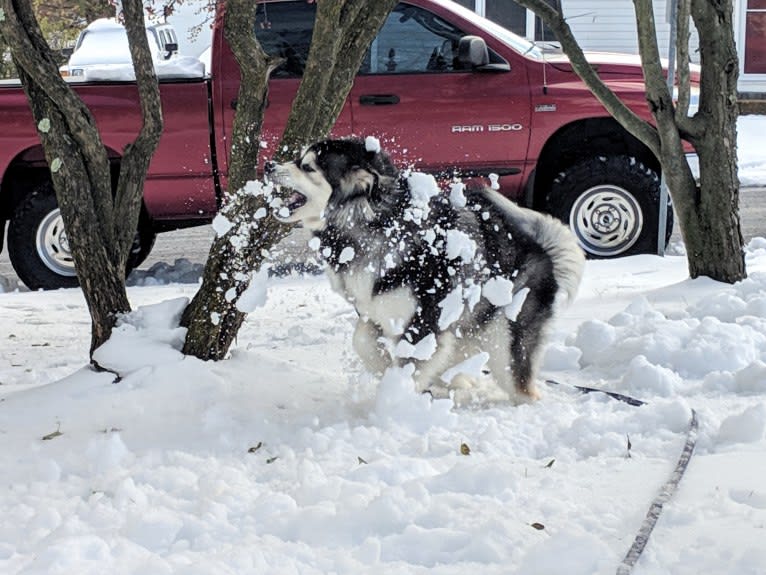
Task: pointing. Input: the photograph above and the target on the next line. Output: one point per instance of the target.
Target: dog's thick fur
(435, 280)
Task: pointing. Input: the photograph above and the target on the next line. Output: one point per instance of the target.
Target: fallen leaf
(464, 449)
(538, 526)
(256, 447)
(52, 435)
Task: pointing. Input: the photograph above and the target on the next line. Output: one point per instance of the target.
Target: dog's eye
(308, 169)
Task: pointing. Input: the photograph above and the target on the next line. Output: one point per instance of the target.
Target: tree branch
(632, 122)
(137, 155)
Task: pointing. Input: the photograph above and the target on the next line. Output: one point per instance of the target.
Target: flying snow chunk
(372, 144)
(493, 181)
(346, 255)
(457, 195)
(498, 291)
(460, 245)
(423, 187)
(315, 243)
(422, 350)
(452, 308)
(222, 225)
(471, 367)
(255, 294)
(512, 310)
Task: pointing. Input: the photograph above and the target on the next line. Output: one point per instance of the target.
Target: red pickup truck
(443, 89)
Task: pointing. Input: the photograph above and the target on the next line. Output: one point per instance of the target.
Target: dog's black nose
(269, 167)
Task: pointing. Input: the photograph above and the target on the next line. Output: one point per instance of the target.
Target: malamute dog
(437, 279)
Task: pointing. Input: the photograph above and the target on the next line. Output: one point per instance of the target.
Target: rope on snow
(667, 491)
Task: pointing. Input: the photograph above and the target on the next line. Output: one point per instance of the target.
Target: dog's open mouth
(295, 200)
(289, 201)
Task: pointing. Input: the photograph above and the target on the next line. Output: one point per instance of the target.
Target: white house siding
(610, 25)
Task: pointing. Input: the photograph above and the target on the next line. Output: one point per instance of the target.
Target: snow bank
(289, 458)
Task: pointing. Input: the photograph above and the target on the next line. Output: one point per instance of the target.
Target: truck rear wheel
(611, 203)
(39, 249)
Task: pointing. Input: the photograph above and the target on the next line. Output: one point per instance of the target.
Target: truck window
(284, 30)
(413, 40)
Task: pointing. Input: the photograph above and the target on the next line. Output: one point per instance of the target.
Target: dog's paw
(463, 381)
(529, 394)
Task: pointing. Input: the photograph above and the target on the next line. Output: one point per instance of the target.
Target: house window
(514, 17)
(755, 37)
(509, 15)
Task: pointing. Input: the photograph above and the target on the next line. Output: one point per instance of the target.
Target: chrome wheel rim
(607, 220)
(53, 246)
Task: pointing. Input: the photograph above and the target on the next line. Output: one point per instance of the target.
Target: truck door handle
(378, 99)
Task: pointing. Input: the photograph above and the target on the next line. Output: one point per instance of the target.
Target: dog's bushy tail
(556, 240)
(559, 243)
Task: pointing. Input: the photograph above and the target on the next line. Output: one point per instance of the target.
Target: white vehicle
(104, 42)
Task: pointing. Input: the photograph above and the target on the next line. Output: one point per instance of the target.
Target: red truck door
(413, 95)
(284, 30)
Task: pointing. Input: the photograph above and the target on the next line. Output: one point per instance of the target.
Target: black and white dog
(439, 280)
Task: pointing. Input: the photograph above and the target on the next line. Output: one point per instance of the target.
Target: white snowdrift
(287, 458)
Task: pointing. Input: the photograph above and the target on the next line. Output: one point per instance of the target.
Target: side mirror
(472, 52)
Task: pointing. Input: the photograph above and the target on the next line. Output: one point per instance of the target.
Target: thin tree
(343, 31)
(708, 212)
(100, 221)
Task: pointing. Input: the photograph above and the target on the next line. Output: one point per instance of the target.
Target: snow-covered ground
(288, 459)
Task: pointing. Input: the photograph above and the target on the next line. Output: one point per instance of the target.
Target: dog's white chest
(391, 310)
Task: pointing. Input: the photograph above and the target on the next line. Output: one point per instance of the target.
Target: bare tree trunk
(714, 238)
(347, 28)
(212, 317)
(343, 31)
(708, 214)
(100, 226)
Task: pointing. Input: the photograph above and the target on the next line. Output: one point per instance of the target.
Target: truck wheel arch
(579, 140)
(27, 194)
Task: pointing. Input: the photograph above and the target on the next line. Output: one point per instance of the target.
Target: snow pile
(288, 458)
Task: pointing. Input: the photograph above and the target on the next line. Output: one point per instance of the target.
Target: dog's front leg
(367, 341)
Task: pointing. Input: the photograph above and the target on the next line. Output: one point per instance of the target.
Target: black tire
(37, 244)
(38, 247)
(611, 203)
(142, 244)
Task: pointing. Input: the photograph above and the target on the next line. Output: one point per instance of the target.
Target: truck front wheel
(39, 249)
(611, 203)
